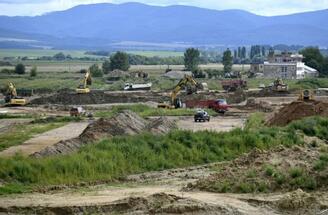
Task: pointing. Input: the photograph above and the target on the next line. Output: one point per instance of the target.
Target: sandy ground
(219, 123)
(46, 139)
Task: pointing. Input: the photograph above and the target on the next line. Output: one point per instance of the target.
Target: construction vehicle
(85, 82)
(306, 95)
(218, 105)
(279, 86)
(233, 85)
(176, 102)
(11, 97)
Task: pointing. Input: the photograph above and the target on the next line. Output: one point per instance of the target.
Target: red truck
(219, 105)
(233, 85)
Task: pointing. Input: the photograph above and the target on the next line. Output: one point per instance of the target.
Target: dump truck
(218, 105)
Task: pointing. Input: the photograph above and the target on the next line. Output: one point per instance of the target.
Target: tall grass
(114, 158)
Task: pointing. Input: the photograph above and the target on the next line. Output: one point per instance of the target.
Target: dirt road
(46, 139)
(220, 124)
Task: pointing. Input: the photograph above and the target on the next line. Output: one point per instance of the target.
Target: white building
(287, 66)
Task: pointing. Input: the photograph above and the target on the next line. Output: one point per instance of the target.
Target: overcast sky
(261, 7)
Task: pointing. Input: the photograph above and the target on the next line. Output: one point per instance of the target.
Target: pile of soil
(98, 97)
(280, 169)
(125, 123)
(263, 106)
(298, 110)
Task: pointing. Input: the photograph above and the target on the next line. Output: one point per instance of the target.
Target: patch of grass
(146, 111)
(322, 163)
(14, 188)
(251, 173)
(255, 121)
(296, 172)
(312, 126)
(15, 116)
(269, 170)
(20, 133)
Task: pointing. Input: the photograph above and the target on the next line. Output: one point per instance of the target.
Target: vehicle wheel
(195, 120)
(208, 119)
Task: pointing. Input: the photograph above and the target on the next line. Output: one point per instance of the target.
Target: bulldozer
(11, 98)
(306, 95)
(85, 82)
(279, 86)
(176, 102)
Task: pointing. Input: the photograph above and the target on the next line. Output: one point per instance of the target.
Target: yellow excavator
(176, 102)
(85, 82)
(11, 97)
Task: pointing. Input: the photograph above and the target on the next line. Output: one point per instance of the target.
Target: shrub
(33, 72)
(20, 69)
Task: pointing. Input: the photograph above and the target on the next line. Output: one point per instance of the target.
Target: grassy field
(34, 53)
(157, 53)
(20, 133)
(146, 111)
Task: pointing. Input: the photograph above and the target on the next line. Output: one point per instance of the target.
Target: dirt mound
(298, 110)
(296, 200)
(125, 123)
(98, 97)
(281, 169)
(252, 103)
(161, 125)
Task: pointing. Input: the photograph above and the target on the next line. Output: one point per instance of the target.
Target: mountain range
(105, 26)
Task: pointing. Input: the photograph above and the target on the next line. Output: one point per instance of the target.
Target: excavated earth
(125, 123)
(252, 169)
(102, 97)
(298, 110)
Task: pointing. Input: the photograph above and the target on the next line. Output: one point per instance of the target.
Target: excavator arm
(183, 82)
(11, 96)
(85, 82)
(175, 102)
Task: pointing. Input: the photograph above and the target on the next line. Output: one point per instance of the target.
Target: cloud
(261, 7)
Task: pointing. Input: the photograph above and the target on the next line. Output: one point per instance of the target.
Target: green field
(34, 53)
(157, 53)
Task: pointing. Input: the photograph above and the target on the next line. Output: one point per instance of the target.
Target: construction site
(187, 150)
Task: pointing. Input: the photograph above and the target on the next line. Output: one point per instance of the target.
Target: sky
(260, 7)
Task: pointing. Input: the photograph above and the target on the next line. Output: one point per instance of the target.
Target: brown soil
(261, 171)
(102, 97)
(125, 123)
(298, 110)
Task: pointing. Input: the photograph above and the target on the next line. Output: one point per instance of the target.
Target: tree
(191, 59)
(106, 67)
(20, 69)
(227, 61)
(313, 58)
(33, 71)
(243, 52)
(95, 71)
(59, 56)
(120, 60)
